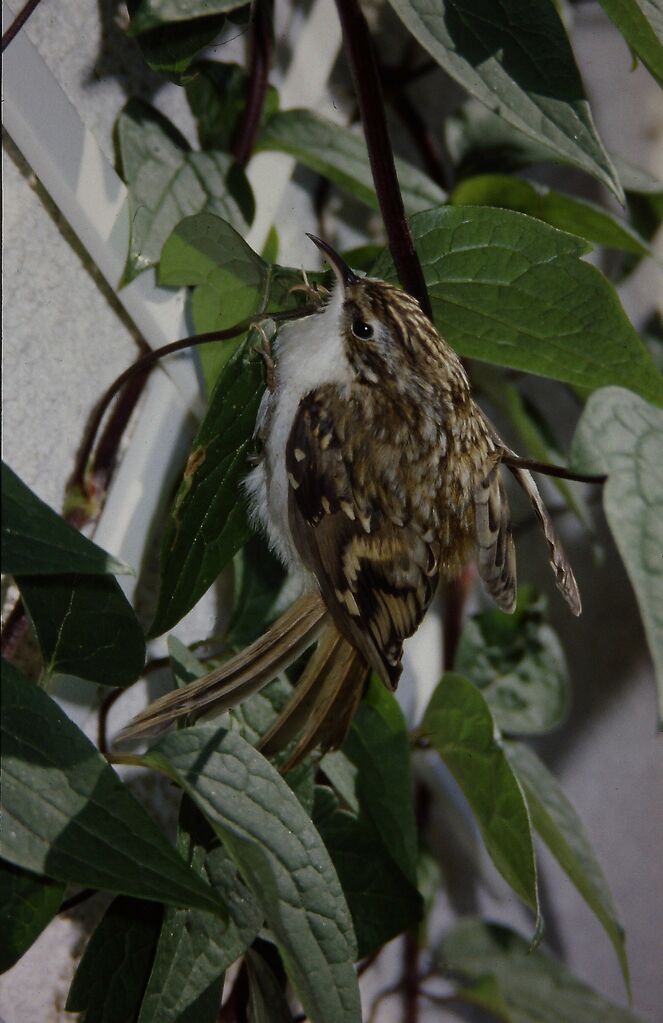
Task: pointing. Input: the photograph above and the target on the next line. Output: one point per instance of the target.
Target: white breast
(308, 353)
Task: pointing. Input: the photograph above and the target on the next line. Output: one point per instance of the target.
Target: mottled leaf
(511, 290)
(622, 435)
(280, 857)
(66, 813)
(167, 182)
(515, 57)
(518, 663)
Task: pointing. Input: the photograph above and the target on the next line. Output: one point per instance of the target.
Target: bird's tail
(242, 675)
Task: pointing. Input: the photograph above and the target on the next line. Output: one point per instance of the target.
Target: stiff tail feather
(564, 577)
(324, 702)
(242, 675)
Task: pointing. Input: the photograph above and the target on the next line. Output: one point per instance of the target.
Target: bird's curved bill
(345, 275)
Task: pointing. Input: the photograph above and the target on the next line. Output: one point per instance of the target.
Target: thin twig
(261, 58)
(560, 471)
(76, 900)
(18, 22)
(361, 57)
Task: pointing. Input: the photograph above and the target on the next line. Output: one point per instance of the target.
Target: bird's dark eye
(362, 330)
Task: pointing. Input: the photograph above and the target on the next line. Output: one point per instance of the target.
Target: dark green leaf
(208, 521)
(340, 154)
(518, 664)
(85, 627)
(459, 726)
(280, 856)
(511, 290)
(641, 24)
(195, 948)
(577, 216)
(379, 747)
(37, 540)
(267, 1002)
(151, 13)
(217, 96)
(534, 987)
(259, 579)
(622, 435)
(111, 976)
(172, 46)
(562, 830)
(515, 58)
(167, 182)
(68, 815)
(382, 901)
(28, 903)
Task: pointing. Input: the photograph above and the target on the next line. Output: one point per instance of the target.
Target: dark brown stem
(361, 57)
(18, 22)
(516, 462)
(147, 361)
(261, 59)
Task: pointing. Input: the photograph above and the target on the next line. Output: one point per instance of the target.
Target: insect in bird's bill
(379, 476)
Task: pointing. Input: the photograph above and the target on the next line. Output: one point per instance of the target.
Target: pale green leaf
(641, 24)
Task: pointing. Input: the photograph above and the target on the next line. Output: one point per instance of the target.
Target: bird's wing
(376, 578)
(496, 554)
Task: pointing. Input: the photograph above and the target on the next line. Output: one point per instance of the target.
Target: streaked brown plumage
(380, 476)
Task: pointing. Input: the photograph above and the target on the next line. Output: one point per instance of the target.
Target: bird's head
(388, 340)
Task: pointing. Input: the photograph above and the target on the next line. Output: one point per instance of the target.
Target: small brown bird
(379, 476)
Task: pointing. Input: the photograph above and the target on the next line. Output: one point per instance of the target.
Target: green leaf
(378, 746)
(515, 58)
(208, 520)
(459, 726)
(167, 182)
(216, 94)
(85, 627)
(511, 290)
(382, 900)
(518, 663)
(194, 948)
(562, 830)
(230, 281)
(641, 24)
(112, 974)
(577, 216)
(267, 1002)
(622, 435)
(36, 540)
(151, 13)
(28, 903)
(170, 47)
(534, 987)
(340, 154)
(68, 815)
(259, 580)
(280, 856)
